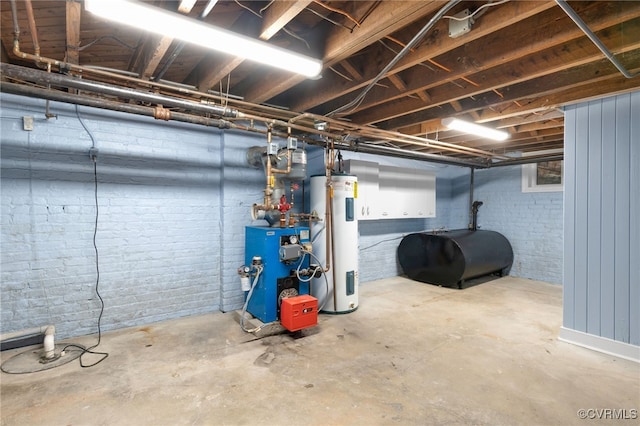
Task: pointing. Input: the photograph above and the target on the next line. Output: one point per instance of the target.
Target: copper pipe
(341, 12)
(339, 127)
(268, 189)
(32, 27)
(284, 171)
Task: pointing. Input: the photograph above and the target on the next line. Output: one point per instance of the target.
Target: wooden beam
(536, 33)
(154, 48)
(547, 62)
(341, 43)
(437, 44)
(610, 84)
(539, 94)
(424, 96)
(353, 72)
(397, 82)
(279, 14)
(73, 13)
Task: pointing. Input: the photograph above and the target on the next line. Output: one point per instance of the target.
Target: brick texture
(174, 200)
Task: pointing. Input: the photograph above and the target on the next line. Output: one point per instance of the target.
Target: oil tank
(449, 258)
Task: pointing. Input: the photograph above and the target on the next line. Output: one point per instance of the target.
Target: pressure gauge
(293, 239)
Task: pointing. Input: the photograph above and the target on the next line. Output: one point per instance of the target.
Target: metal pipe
(14, 15)
(32, 27)
(528, 160)
(585, 28)
(474, 214)
(95, 70)
(415, 155)
(108, 89)
(284, 171)
(54, 95)
(471, 179)
(23, 333)
(19, 89)
(341, 127)
(268, 190)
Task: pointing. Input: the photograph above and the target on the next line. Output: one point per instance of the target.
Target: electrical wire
(259, 15)
(358, 100)
(338, 11)
(380, 242)
(90, 350)
(267, 6)
(324, 274)
(442, 229)
(248, 8)
(484, 6)
(305, 280)
(327, 19)
(128, 46)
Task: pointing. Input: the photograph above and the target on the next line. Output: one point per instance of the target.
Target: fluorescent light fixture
(159, 21)
(474, 129)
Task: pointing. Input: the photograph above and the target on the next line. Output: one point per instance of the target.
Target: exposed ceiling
(519, 63)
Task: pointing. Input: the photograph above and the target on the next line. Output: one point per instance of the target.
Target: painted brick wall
(158, 232)
(532, 222)
(174, 200)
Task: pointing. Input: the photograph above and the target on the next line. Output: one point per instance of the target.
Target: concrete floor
(411, 354)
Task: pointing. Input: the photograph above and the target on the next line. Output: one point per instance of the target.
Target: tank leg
(460, 283)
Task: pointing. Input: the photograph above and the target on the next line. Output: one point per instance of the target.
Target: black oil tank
(449, 258)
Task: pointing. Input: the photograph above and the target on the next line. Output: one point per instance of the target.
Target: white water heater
(339, 293)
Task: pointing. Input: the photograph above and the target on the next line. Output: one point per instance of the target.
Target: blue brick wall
(170, 218)
(174, 200)
(531, 221)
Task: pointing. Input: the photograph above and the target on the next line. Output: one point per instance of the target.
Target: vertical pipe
(32, 27)
(471, 183)
(268, 189)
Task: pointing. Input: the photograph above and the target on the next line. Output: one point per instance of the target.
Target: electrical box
(300, 312)
(461, 24)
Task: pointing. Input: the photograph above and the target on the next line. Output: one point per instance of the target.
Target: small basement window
(545, 176)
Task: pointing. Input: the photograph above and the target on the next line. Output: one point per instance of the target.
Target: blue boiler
(282, 252)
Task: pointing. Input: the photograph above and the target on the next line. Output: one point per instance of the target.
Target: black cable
(380, 242)
(89, 350)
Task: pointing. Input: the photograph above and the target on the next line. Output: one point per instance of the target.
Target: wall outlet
(27, 122)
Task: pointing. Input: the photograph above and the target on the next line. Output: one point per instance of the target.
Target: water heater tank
(339, 294)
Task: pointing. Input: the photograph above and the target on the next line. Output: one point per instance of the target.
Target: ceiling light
(474, 129)
(170, 24)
